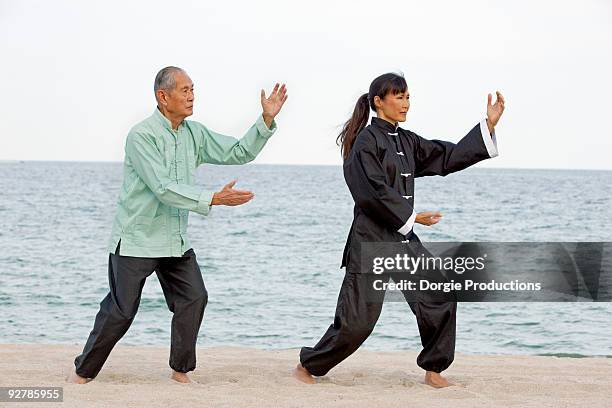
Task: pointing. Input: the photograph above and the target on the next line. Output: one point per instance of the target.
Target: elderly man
(150, 227)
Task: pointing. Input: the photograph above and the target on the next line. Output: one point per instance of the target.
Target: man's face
(179, 101)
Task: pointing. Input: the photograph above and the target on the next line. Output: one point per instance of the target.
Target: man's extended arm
(147, 161)
(216, 148)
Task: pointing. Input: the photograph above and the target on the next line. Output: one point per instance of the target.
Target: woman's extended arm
(438, 157)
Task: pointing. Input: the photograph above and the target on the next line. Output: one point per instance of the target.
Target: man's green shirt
(159, 189)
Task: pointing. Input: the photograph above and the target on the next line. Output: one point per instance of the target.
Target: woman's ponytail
(354, 125)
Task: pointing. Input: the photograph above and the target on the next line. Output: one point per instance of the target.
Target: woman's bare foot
(74, 378)
(302, 374)
(180, 377)
(436, 380)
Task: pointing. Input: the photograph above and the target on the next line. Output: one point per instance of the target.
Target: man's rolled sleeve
(205, 202)
(263, 129)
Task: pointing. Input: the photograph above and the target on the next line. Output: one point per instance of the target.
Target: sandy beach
(238, 377)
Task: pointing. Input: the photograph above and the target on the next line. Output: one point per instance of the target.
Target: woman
(380, 163)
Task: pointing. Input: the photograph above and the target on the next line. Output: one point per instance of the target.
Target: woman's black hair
(381, 86)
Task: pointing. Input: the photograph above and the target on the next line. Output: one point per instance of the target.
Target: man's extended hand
(428, 218)
(494, 112)
(229, 196)
(273, 104)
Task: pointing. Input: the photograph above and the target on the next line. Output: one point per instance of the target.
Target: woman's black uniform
(380, 172)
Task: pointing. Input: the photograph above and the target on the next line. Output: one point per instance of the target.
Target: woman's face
(393, 107)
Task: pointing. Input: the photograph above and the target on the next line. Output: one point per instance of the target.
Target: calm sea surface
(271, 267)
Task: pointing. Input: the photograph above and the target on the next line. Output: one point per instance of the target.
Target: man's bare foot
(74, 378)
(302, 374)
(181, 377)
(436, 380)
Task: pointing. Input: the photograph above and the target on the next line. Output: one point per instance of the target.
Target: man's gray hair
(165, 79)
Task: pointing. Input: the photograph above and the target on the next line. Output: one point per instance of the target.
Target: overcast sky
(77, 75)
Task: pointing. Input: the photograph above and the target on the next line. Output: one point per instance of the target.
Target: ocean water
(271, 267)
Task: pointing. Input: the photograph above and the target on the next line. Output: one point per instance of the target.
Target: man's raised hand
(273, 104)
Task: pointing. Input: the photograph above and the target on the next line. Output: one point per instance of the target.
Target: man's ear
(161, 97)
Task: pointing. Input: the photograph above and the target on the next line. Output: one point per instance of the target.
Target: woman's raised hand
(495, 111)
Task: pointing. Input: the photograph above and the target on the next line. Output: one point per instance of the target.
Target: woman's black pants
(185, 294)
(357, 311)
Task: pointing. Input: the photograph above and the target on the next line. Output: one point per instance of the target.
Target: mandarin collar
(384, 125)
(164, 120)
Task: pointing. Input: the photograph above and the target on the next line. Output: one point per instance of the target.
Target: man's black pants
(185, 294)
